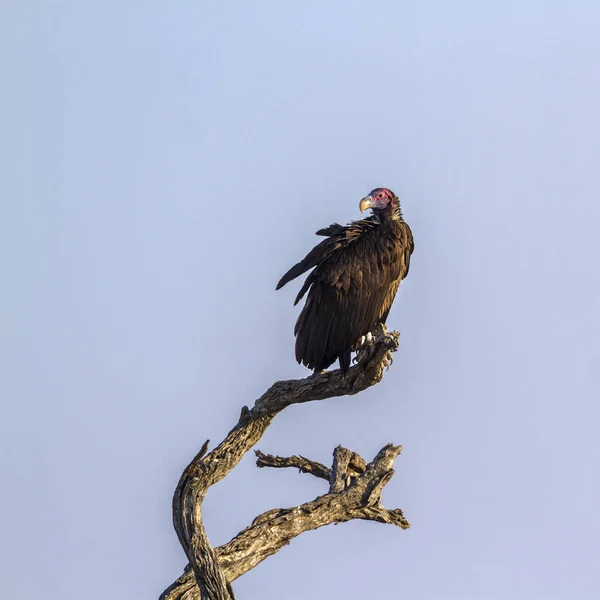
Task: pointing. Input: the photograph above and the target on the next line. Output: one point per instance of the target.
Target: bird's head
(381, 201)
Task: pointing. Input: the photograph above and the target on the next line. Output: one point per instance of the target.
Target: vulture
(356, 272)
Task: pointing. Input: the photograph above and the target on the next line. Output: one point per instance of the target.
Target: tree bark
(354, 486)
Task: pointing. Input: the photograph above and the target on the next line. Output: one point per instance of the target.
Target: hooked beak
(365, 203)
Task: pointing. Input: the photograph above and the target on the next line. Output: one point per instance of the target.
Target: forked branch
(354, 486)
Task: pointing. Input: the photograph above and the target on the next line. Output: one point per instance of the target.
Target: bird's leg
(366, 342)
(381, 329)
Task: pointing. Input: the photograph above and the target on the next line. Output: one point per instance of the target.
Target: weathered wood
(339, 469)
(304, 465)
(354, 493)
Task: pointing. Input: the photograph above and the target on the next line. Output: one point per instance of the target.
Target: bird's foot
(317, 373)
(387, 361)
(364, 343)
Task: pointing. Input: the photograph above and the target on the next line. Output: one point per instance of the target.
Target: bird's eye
(380, 195)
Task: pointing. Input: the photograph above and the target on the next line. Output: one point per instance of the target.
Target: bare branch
(274, 529)
(339, 469)
(297, 462)
(331, 384)
(354, 493)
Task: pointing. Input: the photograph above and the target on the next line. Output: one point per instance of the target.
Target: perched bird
(357, 271)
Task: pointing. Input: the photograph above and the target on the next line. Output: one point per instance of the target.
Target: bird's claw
(387, 361)
(365, 342)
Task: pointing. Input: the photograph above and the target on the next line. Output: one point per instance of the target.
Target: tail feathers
(345, 361)
(313, 330)
(318, 337)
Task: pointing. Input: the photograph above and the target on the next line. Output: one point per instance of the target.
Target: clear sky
(164, 163)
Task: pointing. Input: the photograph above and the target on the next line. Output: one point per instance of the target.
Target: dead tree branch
(298, 462)
(354, 486)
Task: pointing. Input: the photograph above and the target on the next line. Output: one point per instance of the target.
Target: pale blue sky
(166, 162)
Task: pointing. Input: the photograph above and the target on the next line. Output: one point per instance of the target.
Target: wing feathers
(357, 272)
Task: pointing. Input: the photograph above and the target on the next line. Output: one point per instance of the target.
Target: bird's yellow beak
(365, 203)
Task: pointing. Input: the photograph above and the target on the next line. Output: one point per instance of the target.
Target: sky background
(164, 163)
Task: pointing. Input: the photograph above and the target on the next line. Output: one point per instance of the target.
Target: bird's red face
(379, 200)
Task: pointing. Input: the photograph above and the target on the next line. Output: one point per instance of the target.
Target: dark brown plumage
(357, 271)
